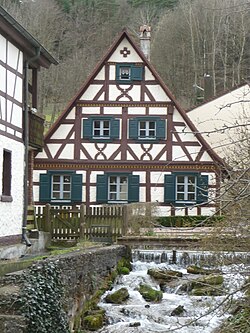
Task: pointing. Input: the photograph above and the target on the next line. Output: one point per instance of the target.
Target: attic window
(125, 73)
(129, 72)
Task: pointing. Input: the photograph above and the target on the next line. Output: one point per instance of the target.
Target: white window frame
(186, 191)
(102, 128)
(61, 190)
(117, 191)
(147, 129)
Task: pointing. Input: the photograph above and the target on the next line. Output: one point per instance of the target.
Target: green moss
(207, 291)
(93, 322)
(124, 266)
(200, 270)
(150, 294)
(118, 297)
(211, 280)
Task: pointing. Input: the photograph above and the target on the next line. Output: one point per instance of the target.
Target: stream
(201, 313)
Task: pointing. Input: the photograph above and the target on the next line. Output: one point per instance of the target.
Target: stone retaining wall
(82, 273)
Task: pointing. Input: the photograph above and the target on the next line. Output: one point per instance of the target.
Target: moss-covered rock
(93, 322)
(118, 297)
(163, 275)
(200, 270)
(207, 291)
(211, 280)
(124, 266)
(150, 294)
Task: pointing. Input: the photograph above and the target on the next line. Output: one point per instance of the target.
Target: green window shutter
(102, 188)
(115, 128)
(87, 128)
(133, 188)
(133, 129)
(169, 188)
(76, 188)
(136, 73)
(160, 129)
(117, 71)
(45, 188)
(202, 188)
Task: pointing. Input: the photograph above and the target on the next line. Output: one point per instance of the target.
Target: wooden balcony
(36, 130)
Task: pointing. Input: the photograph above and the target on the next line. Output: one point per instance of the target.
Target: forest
(190, 39)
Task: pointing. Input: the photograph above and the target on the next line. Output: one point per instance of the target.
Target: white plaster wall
(68, 152)
(91, 110)
(213, 119)
(155, 111)
(137, 111)
(3, 79)
(71, 115)
(3, 43)
(62, 131)
(13, 53)
(148, 74)
(118, 57)
(158, 93)
(11, 213)
(112, 110)
(91, 91)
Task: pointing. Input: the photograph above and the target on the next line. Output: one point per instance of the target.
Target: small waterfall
(185, 258)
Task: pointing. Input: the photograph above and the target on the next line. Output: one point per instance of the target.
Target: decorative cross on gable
(125, 52)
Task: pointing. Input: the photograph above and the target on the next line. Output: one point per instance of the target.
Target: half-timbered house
(120, 140)
(21, 130)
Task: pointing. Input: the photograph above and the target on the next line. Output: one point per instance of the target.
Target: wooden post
(124, 220)
(47, 218)
(82, 221)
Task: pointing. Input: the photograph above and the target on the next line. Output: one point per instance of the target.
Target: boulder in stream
(118, 297)
(178, 311)
(163, 275)
(200, 270)
(150, 294)
(93, 322)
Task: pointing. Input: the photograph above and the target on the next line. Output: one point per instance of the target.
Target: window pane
(66, 179)
(180, 196)
(123, 180)
(142, 125)
(180, 179)
(56, 179)
(191, 180)
(123, 196)
(191, 196)
(66, 187)
(112, 188)
(66, 195)
(106, 123)
(151, 133)
(56, 195)
(112, 179)
(56, 187)
(106, 133)
(191, 188)
(180, 188)
(112, 196)
(97, 124)
(151, 125)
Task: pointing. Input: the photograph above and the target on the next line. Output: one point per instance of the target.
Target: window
(117, 188)
(147, 128)
(6, 184)
(126, 73)
(101, 128)
(185, 188)
(60, 187)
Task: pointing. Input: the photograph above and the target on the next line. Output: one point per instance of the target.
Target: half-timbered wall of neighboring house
(11, 141)
(121, 140)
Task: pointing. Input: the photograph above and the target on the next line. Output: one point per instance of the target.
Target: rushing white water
(201, 313)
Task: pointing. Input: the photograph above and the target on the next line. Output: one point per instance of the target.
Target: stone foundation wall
(82, 273)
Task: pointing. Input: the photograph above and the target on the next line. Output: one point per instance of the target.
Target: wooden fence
(103, 224)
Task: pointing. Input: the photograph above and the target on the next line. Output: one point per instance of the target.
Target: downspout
(25, 238)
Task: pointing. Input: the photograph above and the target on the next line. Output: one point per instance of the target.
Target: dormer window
(128, 73)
